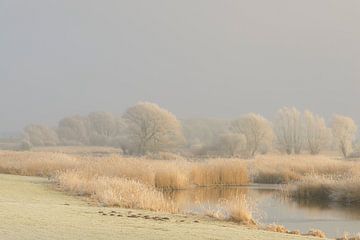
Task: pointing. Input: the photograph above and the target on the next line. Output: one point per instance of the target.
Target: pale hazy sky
(197, 58)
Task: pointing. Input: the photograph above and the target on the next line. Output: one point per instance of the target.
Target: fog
(203, 58)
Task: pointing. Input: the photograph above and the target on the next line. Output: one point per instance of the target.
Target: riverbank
(31, 209)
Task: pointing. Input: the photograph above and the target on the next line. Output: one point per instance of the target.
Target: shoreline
(33, 210)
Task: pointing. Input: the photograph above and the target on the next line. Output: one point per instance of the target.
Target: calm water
(270, 207)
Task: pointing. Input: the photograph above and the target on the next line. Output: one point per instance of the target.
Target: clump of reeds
(277, 228)
(281, 229)
(349, 237)
(294, 232)
(240, 210)
(171, 179)
(137, 169)
(237, 209)
(284, 169)
(35, 163)
(345, 190)
(115, 191)
(220, 172)
(316, 233)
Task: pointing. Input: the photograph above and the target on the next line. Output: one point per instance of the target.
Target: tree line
(148, 128)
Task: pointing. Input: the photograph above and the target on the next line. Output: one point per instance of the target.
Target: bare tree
(38, 135)
(73, 130)
(152, 128)
(289, 130)
(316, 133)
(344, 130)
(231, 144)
(256, 130)
(202, 135)
(103, 128)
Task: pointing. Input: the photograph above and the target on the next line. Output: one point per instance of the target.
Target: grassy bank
(35, 212)
(130, 182)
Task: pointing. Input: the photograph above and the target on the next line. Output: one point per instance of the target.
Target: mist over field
(218, 59)
(207, 119)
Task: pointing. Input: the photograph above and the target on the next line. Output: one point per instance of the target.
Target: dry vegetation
(220, 172)
(284, 169)
(281, 229)
(35, 164)
(129, 182)
(237, 209)
(79, 150)
(349, 237)
(316, 233)
(311, 178)
(114, 191)
(344, 190)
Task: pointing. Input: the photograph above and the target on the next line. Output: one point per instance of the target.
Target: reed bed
(35, 163)
(113, 180)
(344, 190)
(349, 237)
(165, 174)
(130, 182)
(115, 191)
(277, 169)
(225, 172)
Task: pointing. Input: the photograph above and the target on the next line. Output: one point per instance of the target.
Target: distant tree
(231, 144)
(151, 128)
(38, 135)
(73, 131)
(344, 131)
(104, 128)
(316, 133)
(256, 130)
(202, 134)
(289, 130)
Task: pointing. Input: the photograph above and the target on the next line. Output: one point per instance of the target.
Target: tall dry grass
(284, 169)
(240, 210)
(225, 172)
(171, 178)
(115, 191)
(35, 163)
(237, 209)
(113, 180)
(349, 237)
(344, 190)
(166, 174)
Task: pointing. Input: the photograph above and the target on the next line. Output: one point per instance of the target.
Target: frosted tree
(256, 130)
(104, 128)
(344, 131)
(73, 130)
(231, 144)
(289, 130)
(151, 128)
(38, 135)
(316, 133)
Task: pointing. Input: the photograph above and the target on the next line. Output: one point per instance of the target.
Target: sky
(203, 58)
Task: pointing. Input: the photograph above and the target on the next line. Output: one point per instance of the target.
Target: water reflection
(272, 207)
